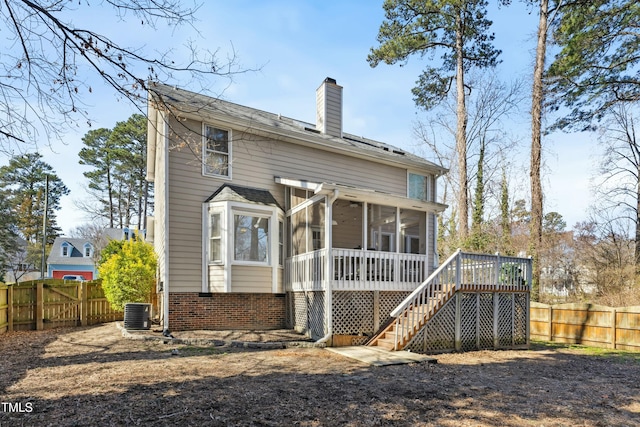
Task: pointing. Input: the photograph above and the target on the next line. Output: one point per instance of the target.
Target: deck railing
(461, 271)
(355, 269)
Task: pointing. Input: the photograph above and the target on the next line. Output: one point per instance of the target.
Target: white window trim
(66, 246)
(268, 215)
(84, 249)
(227, 177)
(428, 183)
(208, 213)
(228, 211)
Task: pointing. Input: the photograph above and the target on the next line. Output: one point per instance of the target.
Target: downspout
(328, 303)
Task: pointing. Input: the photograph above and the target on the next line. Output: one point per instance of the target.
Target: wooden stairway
(460, 272)
(409, 323)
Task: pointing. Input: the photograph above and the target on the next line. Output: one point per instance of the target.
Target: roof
(76, 256)
(236, 193)
(187, 103)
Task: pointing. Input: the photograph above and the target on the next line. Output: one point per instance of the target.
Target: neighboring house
(19, 269)
(72, 256)
(266, 222)
(77, 256)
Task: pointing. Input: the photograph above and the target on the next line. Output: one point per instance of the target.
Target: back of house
(251, 206)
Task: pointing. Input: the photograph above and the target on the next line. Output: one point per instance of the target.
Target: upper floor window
(88, 250)
(217, 151)
(418, 186)
(65, 249)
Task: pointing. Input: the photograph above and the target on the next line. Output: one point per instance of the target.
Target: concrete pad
(377, 356)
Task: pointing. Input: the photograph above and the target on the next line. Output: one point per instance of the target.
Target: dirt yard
(95, 377)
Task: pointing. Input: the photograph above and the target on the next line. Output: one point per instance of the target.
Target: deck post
(458, 327)
(458, 271)
(496, 320)
(376, 310)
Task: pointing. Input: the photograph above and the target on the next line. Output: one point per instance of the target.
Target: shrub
(128, 274)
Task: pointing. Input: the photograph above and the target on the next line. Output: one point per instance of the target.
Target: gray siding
(255, 162)
(251, 279)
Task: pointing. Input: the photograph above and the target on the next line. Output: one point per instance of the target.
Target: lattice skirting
(475, 321)
(354, 312)
(306, 313)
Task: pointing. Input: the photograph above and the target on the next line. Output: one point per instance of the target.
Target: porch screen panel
(382, 228)
(299, 232)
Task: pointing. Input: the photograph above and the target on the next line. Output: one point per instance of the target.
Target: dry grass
(92, 376)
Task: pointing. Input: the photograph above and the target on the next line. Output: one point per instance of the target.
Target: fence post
(10, 308)
(613, 328)
(83, 301)
(550, 323)
(39, 306)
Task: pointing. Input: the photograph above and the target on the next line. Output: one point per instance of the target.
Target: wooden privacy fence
(589, 324)
(53, 303)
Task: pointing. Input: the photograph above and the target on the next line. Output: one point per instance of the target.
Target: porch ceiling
(359, 194)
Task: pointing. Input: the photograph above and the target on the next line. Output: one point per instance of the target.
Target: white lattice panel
(485, 321)
(353, 313)
(520, 319)
(505, 323)
(389, 301)
(316, 314)
(297, 316)
(468, 315)
(441, 330)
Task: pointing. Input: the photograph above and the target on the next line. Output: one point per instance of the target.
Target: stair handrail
(407, 301)
(419, 299)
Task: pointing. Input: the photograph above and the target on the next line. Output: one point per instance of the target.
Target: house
(265, 222)
(78, 256)
(19, 268)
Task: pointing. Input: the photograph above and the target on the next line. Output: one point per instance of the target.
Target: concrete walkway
(379, 357)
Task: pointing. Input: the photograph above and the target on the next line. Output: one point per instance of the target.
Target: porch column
(328, 240)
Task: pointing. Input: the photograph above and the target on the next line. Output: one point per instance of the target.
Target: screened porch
(345, 238)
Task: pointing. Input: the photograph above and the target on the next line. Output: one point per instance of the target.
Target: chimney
(329, 108)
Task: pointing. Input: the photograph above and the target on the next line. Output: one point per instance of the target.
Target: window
(215, 238)
(280, 243)
(317, 242)
(88, 250)
(418, 186)
(251, 238)
(64, 250)
(216, 151)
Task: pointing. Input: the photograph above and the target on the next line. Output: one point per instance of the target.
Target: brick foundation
(221, 311)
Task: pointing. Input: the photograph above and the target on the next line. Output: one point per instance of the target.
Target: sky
(293, 46)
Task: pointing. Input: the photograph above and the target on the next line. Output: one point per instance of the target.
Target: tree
(118, 180)
(490, 106)
(8, 236)
(505, 245)
(47, 61)
(460, 31)
(128, 272)
(597, 66)
(618, 180)
(23, 182)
